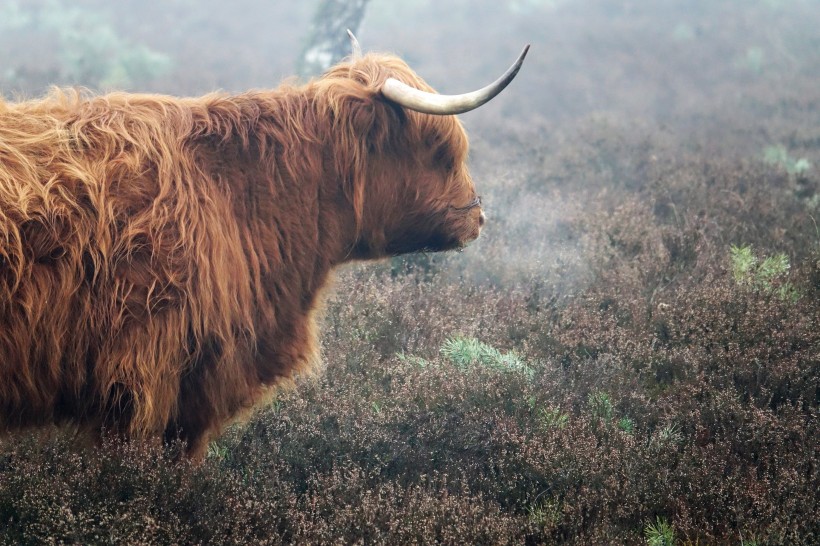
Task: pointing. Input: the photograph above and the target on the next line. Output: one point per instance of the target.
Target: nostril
(481, 218)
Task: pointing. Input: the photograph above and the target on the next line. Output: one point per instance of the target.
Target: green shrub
(467, 352)
(659, 533)
(626, 424)
(779, 156)
(601, 406)
(553, 418)
(765, 276)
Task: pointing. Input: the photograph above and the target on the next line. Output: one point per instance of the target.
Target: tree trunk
(328, 43)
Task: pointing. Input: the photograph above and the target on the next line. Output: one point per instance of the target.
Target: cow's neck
(297, 223)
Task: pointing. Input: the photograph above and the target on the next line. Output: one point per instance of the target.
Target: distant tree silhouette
(328, 42)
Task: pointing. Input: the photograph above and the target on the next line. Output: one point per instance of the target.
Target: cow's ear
(374, 120)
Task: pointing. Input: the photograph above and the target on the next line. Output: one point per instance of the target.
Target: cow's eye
(444, 160)
(476, 202)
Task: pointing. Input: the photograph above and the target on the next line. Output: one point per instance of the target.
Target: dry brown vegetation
(626, 370)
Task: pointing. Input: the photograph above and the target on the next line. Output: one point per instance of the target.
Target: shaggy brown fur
(161, 259)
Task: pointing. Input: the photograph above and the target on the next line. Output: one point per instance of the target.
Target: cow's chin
(442, 237)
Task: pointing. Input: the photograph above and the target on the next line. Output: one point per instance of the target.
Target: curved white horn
(432, 103)
(354, 44)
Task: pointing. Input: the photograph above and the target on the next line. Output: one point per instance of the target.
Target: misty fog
(696, 67)
(645, 149)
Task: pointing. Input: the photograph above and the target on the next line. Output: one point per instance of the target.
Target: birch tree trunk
(328, 42)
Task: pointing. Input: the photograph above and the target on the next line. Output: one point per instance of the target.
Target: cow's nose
(481, 218)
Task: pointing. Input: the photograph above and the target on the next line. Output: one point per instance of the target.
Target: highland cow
(162, 259)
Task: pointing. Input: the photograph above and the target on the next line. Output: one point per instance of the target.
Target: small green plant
(545, 514)
(771, 268)
(600, 405)
(659, 533)
(667, 435)
(626, 424)
(414, 360)
(217, 451)
(767, 275)
(743, 263)
(553, 418)
(467, 352)
(779, 156)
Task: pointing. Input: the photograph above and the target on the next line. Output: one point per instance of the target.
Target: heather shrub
(660, 398)
(628, 355)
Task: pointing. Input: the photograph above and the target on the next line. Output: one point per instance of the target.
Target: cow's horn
(354, 44)
(432, 103)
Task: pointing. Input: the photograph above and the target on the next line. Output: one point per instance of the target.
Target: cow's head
(402, 155)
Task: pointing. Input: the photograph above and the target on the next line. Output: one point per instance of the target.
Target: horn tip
(354, 44)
